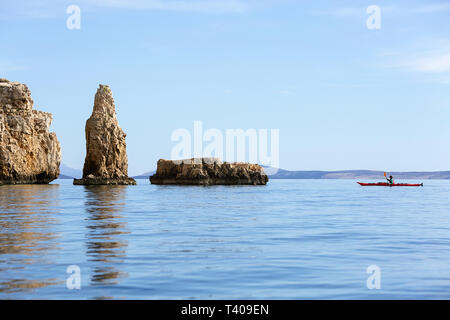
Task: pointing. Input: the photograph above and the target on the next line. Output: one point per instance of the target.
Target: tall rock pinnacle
(29, 153)
(106, 155)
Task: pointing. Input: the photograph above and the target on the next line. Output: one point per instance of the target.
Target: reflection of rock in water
(105, 243)
(27, 213)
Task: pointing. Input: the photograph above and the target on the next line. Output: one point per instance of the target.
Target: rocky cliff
(106, 155)
(208, 171)
(29, 153)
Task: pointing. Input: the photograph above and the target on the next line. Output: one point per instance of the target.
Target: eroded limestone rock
(208, 171)
(29, 153)
(106, 156)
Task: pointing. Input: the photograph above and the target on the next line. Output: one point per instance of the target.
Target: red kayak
(385, 184)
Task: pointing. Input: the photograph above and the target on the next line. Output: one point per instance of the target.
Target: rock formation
(208, 171)
(106, 155)
(29, 153)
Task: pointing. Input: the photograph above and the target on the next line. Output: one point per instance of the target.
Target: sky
(343, 96)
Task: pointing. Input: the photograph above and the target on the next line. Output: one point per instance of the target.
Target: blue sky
(342, 96)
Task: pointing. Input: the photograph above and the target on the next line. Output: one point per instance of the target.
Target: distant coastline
(70, 173)
(358, 174)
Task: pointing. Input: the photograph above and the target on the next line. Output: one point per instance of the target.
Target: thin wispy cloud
(426, 61)
(404, 9)
(346, 85)
(348, 12)
(8, 66)
(433, 8)
(28, 9)
(54, 8)
(212, 6)
(354, 12)
(435, 64)
(444, 80)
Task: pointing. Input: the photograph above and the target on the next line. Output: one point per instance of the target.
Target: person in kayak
(390, 180)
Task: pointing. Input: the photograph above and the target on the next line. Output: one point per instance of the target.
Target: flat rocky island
(208, 171)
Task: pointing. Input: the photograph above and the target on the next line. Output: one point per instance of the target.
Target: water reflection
(27, 218)
(106, 244)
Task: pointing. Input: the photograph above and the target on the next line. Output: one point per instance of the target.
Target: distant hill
(145, 175)
(67, 172)
(62, 176)
(353, 174)
(314, 174)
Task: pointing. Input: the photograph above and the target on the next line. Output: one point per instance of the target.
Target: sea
(290, 239)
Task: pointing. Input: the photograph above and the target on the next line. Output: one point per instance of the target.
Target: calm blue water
(291, 239)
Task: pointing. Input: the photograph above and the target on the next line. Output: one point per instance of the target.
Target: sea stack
(106, 160)
(29, 153)
(208, 171)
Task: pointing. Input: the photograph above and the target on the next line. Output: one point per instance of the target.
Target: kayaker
(390, 180)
